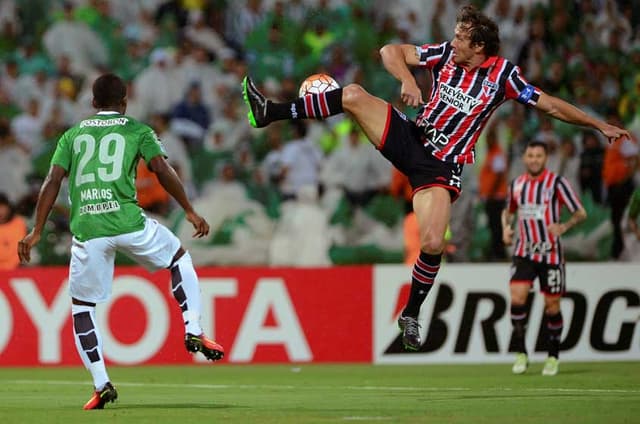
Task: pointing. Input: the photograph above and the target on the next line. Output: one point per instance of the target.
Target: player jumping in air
(470, 81)
(99, 156)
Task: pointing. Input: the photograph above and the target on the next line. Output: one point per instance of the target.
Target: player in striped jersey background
(537, 197)
(470, 81)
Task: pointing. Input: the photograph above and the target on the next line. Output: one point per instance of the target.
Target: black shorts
(402, 144)
(551, 277)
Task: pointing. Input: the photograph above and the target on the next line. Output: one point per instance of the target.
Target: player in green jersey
(99, 156)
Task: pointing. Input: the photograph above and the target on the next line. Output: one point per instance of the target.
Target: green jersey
(101, 155)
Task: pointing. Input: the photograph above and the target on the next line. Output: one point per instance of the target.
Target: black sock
(554, 327)
(424, 273)
(519, 320)
(316, 106)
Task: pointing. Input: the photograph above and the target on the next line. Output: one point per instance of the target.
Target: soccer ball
(316, 84)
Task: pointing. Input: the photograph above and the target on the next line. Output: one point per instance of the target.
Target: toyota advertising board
(324, 315)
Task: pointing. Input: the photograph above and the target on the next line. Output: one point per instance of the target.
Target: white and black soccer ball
(317, 83)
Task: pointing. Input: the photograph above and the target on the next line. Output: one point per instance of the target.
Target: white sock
(184, 285)
(89, 343)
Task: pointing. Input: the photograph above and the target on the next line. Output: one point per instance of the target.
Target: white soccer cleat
(550, 366)
(521, 364)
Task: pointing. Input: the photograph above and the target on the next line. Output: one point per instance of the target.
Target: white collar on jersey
(108, 112)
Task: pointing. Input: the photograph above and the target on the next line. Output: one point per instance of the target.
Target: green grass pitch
(600, 392)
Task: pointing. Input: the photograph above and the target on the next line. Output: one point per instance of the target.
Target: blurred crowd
(311, 193)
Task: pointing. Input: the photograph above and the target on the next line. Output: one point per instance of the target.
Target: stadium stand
(184, 61)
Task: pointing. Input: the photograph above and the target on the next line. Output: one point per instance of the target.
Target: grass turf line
(580, 393)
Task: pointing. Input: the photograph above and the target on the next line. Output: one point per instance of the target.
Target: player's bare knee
(552, 307)
(518, 300)
(352, 95)
(432, 245)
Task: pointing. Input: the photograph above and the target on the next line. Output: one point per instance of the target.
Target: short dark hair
(482, 30)
(109, 91)
(539, 143)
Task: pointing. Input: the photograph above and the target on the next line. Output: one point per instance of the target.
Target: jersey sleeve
(62, 154)
(151, 146)
(567, 196)
(430, 54)
(519, 89)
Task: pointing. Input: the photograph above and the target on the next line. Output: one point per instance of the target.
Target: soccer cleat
(410, 332)
(521, 364)
(550, 366)
(210, 349)
(257, 104)
(99, 398)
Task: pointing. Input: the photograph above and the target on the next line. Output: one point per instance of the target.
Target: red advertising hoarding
(258, 314)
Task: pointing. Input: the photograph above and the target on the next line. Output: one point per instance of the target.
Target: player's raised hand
(411, 94)
(25, 245)
(200, 226)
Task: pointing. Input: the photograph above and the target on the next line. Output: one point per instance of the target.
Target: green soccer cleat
(550, 366)
(257, 104)
(521, 364)
(410, 332)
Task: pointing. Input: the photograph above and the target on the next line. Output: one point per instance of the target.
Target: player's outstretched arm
(47, 197)
(169, 179)
(396, 58)
(560, 109)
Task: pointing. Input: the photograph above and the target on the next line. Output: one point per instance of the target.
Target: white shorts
(92, 261)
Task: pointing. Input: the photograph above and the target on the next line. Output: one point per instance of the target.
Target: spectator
(12, 229)
(28, 127)
(620, 165)
(591, 162)
(8, 109)
(67, 37)
(159, 74)
(357, 169)
(37, 85)
(14, 165)
(9, 77)
(190, 118)
(242, 18)
(301, 160)
(568, 164)
(199, 33)
(149, 192)
(176, 151)
(227, 130)
(196, 68)
(493, 192)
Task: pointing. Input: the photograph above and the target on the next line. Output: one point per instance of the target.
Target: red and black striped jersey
(538, 201)
(461, 101)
